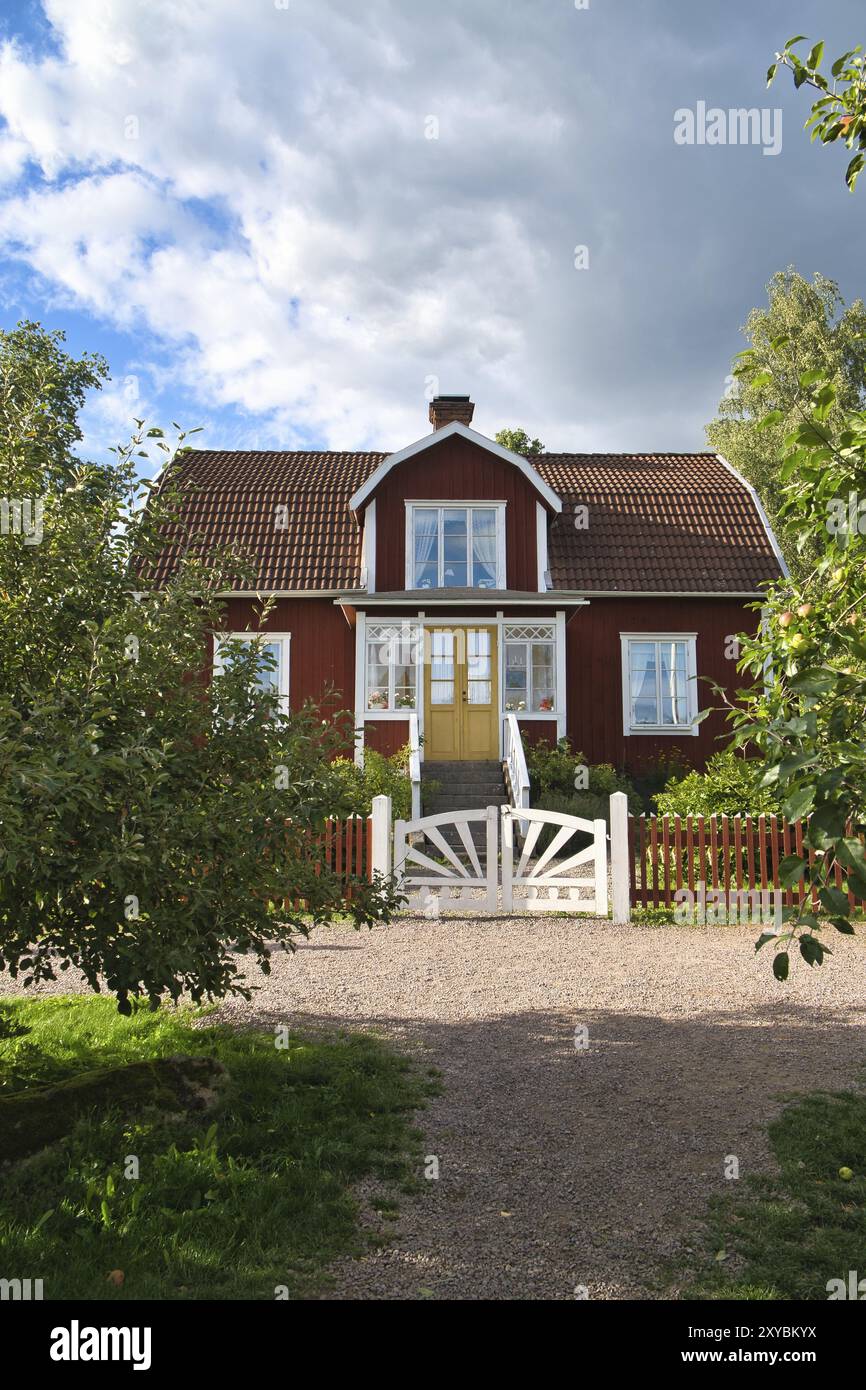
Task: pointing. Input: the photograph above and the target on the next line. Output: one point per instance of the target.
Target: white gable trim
(447, 432)
(759, 507)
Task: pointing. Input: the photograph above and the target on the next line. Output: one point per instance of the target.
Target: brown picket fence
(726, 853)
(346, 848)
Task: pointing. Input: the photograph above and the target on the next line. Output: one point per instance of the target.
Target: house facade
(452, 588)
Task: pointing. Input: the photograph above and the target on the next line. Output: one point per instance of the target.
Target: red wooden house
(453, 584)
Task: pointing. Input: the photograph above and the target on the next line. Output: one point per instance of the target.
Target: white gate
(455, 872)
(560, 877)
(455, 879)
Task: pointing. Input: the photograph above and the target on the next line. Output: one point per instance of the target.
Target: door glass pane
(441, 692)
(479, 647)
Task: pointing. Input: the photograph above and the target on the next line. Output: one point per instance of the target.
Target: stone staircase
(462, 787)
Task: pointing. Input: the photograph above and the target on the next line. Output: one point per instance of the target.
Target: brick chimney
(444, 409)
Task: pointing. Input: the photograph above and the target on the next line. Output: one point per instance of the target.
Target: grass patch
(785, 1236)
(228, 1205)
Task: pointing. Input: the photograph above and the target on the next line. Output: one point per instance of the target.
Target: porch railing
(415, 765)
(517, 773)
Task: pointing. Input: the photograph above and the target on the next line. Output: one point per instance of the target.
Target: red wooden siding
(457, 469)
(595, 719)
(387, 736)
(322, 650)
(537, 731)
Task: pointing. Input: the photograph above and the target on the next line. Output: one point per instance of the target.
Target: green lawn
(785, 1236)
(228, 1205)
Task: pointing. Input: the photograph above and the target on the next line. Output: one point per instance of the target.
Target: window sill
(664, 731)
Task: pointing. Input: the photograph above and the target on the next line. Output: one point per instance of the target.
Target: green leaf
(853, 170)
(791, 870)
(813, 951)
(834, 900)
(781, 965)
(798, 38)
(815, 56)
(771, 73)
(843, 925)
(800, 803)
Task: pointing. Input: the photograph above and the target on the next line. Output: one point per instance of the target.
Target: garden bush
(380, 776)
(730, 786)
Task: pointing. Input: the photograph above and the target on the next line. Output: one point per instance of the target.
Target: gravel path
(562, 1166)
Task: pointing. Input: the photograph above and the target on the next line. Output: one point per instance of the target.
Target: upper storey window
(455, 546)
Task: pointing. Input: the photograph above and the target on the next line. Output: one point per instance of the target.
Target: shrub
(730, 786)
(380, 776)
(654, 778)
(552, 772)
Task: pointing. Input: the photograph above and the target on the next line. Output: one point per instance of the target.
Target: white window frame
(284, 668)
(449, 504)
(551, 637)
(687, 730)
(413, 635)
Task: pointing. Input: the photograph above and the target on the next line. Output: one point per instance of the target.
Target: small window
(392, 666)
(530, 669)
(459, 547)
(659, 683)
(272, 673)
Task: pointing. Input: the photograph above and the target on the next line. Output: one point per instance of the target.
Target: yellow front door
(461, 696)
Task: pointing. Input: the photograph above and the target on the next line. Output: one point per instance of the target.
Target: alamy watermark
(737, 126)
(22, 516)
(732, 907)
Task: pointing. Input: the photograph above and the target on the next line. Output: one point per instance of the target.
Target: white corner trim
(360, 684)
(368, 549)
(447, 432)
(759, 507)
(661, 730)
(541, 546)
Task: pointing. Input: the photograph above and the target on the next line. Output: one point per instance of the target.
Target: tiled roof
(663, 523)
(656, 522)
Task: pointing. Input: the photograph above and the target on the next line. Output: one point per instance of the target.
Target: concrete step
(460, 772)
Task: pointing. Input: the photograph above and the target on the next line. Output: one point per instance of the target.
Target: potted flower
(546, 703)
(377, 700)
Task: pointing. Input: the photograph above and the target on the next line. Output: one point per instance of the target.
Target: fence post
(619, 851)
(382, 835)
(600, 837)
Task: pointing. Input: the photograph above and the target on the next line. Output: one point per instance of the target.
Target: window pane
(441, 692)
(480, 692)
(642, 676)
(483, 562)
(454, 521)
(672, 667)
(483, 521)
(426, 523)
(455, 575)
(543, 676)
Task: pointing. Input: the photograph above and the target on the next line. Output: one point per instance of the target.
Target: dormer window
(455, 546)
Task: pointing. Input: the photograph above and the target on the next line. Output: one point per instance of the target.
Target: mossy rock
(31, 1119)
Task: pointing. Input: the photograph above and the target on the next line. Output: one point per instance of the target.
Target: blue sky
(288, 222)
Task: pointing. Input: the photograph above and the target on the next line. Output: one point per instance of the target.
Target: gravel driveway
(562, 1166)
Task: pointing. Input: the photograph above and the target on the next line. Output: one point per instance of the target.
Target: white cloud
(252, 188)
